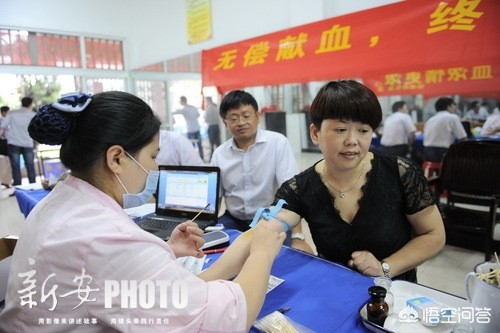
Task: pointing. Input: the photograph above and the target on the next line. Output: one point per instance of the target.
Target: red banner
(413, 47)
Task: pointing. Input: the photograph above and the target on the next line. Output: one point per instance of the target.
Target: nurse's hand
(186, 240)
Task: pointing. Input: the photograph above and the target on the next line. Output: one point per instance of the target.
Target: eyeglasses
(234, 119)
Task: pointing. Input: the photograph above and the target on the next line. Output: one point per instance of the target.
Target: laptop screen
(52, 168)
(183, 191)
(467, 129)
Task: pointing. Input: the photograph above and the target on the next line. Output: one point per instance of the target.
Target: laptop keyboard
(155, 224)
(164, 228)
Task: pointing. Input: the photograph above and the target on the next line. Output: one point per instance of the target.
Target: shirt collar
(260, 137)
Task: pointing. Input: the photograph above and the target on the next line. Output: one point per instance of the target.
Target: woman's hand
(365, 263)
(186, 240)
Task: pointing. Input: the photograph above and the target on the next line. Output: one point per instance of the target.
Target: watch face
(386, 266)
(298, 236)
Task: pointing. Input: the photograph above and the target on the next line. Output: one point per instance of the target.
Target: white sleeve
(6, 122)
(409, 125)
(286, 166)
(187, 154)
(458, 129)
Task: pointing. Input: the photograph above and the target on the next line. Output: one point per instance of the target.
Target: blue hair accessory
(72, 102)
(53, 123)
(268, 214)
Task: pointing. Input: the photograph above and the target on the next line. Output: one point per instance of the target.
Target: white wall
(155, 30)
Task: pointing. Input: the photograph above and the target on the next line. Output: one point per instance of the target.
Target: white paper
(192, 264)
(273, 283)
(140, 211)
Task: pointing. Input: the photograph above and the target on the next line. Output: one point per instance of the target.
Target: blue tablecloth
(27, 199)
(418, 144)
(322, 295)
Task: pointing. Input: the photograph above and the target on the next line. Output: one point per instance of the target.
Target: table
(322, 295)
(27, 199)
(418, 144)
(417, 153)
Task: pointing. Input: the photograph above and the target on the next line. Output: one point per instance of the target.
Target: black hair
(473, 104)
(443, 103)
(234, 100)
(346, 100)
(4, 108)
(26, 101)
(398, 105)
(111, 118)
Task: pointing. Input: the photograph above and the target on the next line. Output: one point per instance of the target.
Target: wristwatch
(386, 268)
(298, 235)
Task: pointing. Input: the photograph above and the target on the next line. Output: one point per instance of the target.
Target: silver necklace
(341, 192)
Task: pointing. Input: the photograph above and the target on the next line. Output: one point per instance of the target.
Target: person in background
(15, 129)
(442, 130)
(399, 131)
(80, 232)
(5, 174)
(476, 114)
(491, 126)
(496, 110)
(3, 114)
(371, 212)
(484, 108)
(4, 110)
(191, 116)
(176, 149)
(212, 120)
(253, 163)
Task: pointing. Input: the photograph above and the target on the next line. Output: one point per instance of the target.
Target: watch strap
(386, 269)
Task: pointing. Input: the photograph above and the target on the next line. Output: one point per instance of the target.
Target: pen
(214, 251)
(283, 310)
(201, 211)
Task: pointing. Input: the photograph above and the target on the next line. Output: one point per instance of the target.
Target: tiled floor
(446, 271)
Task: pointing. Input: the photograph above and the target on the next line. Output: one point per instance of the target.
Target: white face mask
(134, 200)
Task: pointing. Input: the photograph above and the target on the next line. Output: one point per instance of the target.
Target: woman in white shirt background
(79, 255)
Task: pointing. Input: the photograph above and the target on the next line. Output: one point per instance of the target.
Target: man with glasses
(254, 163)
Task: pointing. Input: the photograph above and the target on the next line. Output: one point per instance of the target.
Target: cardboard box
(428, 311)
(7, 245)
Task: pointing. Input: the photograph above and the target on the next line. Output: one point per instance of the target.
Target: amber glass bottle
(377, 309)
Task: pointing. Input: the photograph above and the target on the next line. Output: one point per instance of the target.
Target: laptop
(182, 193)
(467, 129)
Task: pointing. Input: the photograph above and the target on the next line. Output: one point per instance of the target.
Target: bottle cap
(377, 291)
